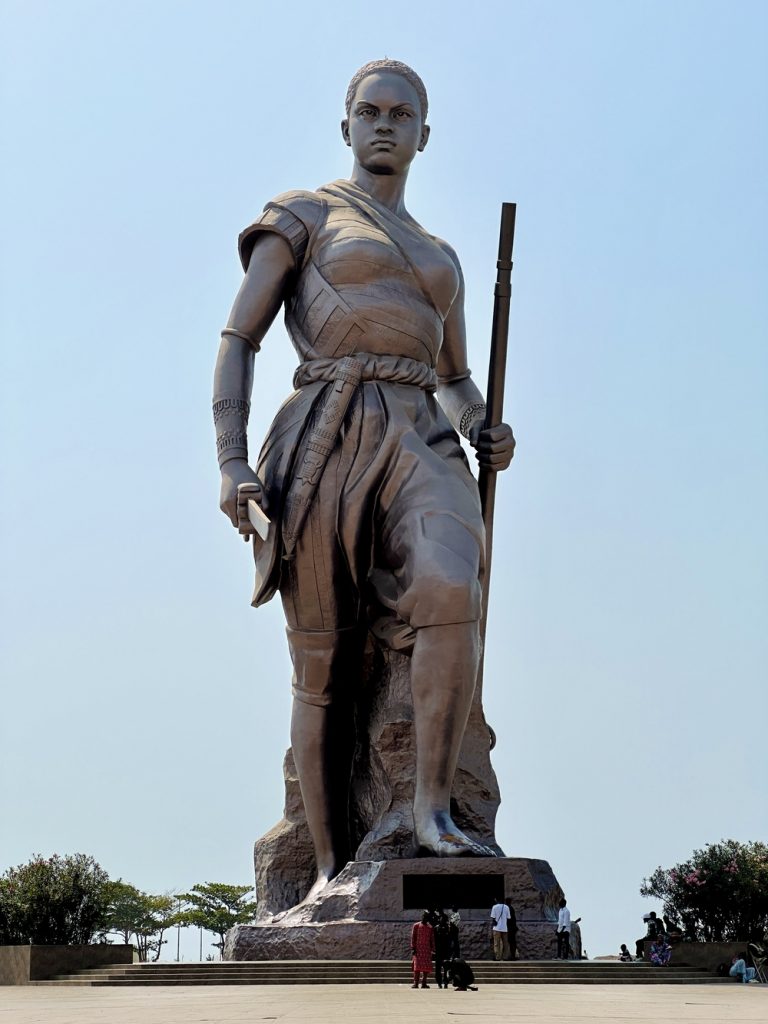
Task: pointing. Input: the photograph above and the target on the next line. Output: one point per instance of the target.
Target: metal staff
(497, 369)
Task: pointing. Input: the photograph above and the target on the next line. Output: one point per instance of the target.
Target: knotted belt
(394, 369)
(327, 416)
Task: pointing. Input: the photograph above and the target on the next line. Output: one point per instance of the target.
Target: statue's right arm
(257, 303)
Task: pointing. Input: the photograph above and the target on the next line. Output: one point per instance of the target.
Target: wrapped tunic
(396, 518)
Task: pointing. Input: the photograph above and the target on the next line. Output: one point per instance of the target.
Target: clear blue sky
(145, 707)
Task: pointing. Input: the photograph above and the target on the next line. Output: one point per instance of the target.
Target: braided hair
(396, 67)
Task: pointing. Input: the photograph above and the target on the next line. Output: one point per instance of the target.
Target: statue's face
(384, 127)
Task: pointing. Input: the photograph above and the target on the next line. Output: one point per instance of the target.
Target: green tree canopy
(52, 901)
(722, 890)
(217, 907)
(131, 912)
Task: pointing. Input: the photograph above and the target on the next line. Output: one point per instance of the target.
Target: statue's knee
(325, 663)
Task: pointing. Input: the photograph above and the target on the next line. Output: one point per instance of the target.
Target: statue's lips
(383, 144)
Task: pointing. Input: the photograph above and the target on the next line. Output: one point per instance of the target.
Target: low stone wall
(702, 954)
(21, 964)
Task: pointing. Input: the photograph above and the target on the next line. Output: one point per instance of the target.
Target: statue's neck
(386, 189)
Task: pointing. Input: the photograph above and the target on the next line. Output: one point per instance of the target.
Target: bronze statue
(375, 515)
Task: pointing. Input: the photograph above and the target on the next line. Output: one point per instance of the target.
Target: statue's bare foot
(323, 878)
(437, 835)
(321, 881)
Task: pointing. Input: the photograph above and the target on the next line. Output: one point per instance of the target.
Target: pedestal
(366, 913)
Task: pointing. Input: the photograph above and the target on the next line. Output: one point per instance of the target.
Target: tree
(217, 908)
(52, 901)
(131, 912)
(722, 890)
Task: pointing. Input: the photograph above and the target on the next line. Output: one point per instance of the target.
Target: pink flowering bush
(721, 892)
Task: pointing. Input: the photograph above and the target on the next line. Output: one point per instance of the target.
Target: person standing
(442, 948)
(454, 921)
(512, 931)
(422, 948)
(500, 918)
(563, 931)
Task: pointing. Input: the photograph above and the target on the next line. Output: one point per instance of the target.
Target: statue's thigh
(432, 539)
(316, 588)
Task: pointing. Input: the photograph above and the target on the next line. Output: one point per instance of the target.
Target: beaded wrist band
(230, 416)
(470, 416)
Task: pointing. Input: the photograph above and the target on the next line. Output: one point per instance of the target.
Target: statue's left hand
(495, 446)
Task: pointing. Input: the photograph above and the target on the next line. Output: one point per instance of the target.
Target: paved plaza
(372, 1004)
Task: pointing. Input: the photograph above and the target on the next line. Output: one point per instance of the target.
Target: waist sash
(393, 369)
(326, 420)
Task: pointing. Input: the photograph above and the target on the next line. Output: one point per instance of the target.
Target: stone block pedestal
(366, 913)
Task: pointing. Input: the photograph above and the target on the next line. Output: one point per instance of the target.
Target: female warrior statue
(375, 515)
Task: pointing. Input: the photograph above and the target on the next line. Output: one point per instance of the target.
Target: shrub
(721, 890)
(52, 901)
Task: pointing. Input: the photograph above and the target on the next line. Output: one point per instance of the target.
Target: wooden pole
(497, 369)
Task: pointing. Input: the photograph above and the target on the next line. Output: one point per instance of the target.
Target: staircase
(381, 972)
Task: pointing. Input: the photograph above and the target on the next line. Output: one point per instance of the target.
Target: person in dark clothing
(654, 928)
(454, 920)
(672, 928)
(512, 931)
(442, 948)
(462, 975)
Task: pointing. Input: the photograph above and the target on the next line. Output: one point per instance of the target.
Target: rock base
(367, 911)
(381, 796)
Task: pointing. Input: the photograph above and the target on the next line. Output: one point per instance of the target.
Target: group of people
(435, 944)
(436, 939)
(661, 932)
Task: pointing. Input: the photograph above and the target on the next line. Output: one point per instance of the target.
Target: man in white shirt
(563, 931)
(500, 918)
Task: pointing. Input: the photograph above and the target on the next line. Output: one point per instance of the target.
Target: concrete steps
(377, 972)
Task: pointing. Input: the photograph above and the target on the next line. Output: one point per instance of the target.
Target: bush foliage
(721, 890)
(56, 900)
(52, 901)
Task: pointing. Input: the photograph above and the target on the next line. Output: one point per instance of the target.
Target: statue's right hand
(234, 473)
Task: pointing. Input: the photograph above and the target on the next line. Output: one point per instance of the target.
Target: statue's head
(386, 116)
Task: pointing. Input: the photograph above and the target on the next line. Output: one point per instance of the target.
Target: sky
(145, 704)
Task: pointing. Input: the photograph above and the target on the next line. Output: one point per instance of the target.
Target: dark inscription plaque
(468, 892)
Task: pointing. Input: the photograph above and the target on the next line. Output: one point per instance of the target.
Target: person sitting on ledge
(740, 971)
(624, 955)
(661, 951)
(653, 926)
(672, 928)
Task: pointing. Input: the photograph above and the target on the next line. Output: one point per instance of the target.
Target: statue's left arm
(460, 397)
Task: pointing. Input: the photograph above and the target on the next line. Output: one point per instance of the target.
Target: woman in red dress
(422, 948)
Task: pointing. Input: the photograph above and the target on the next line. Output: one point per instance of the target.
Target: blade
(259, 521)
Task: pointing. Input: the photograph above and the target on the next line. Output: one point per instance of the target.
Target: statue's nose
(382, 128)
